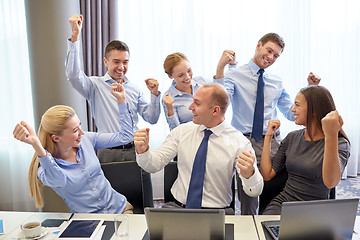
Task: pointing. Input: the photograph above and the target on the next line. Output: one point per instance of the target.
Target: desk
(12, 220)
(244, 227)
(260, 218)
(137, 222)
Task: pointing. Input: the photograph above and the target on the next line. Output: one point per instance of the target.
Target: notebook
(181, 223)
(320, 219)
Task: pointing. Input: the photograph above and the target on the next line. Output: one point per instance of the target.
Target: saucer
(43, 233)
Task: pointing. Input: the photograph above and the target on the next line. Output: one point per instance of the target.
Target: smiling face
(266, 54)
(300, 109)
(71, 135)
(182, 74)
(117, 63)
(201, 107)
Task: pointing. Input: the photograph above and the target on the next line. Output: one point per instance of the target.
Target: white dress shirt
(224, 147)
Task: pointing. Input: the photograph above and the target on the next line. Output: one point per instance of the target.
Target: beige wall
(48, 30)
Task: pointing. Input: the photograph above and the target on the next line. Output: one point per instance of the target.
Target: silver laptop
(181, 223)
(320, 219)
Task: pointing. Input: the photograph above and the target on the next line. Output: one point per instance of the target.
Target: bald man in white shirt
(228, 150)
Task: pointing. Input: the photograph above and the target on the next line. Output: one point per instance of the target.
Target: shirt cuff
(220, 80)
(171, 118)
(155, 98)
(72, 46)
(123, 108)
(46, 160)
(233, 66)
(252, 181)
(142, 158)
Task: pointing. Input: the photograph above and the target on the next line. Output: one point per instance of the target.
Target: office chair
(272, 188)
(332, 194)
(52, 201)
(126, 178)
(170, 175)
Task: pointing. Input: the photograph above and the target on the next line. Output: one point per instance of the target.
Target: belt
(277, 133)
(184, 205)
(125, 146)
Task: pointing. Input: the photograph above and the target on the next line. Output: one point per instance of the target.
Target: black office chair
(272, 188)
(126, 178)
(170, 175)
(332, 194)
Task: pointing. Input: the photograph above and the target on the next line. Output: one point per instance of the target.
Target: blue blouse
(83, 185)
(182, 101)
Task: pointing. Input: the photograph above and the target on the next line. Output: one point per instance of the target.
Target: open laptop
(181, 223)
(320, 219)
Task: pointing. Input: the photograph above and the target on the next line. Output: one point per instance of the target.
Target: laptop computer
(181, 223)
(319, 219)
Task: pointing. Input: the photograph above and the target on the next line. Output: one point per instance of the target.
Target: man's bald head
(219, 96)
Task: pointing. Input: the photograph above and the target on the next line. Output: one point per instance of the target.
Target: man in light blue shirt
(241, 84)
(97, 91)
(104, 110)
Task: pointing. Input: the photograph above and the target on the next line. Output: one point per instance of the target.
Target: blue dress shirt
(83, 185)
(182, 101)
(102, 104)
(241, 84)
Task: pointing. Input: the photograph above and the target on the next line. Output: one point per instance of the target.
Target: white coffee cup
(31, 229)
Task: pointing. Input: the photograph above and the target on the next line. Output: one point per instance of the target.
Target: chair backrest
(52, 201)
(272, 188)
(126, 178)
(170, 175)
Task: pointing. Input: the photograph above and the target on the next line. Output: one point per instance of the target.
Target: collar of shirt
(108, 79)
(255, 69)
(217, 130)
(62, 162)
(175, 92)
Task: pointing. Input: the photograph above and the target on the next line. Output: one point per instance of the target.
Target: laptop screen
(176, 223)
(321, 219)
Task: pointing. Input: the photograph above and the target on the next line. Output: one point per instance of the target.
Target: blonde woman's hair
(172, 60)
(52, 122)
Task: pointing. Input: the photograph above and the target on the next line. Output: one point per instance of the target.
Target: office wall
(48, 30)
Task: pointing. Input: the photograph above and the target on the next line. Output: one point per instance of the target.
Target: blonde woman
(65, 159)
(179, 96)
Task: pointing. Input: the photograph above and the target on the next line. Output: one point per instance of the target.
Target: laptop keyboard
(274, 230)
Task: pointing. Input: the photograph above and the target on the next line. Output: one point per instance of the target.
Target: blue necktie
(194, 197)
(257, 129)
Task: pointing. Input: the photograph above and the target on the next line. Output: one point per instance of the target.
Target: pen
(72, 214)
